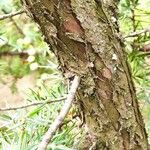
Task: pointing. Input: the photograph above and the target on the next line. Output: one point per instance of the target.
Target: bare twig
(137, 33)
(51, 131)
(5, 16)
(133, 19)
(13, 53)
(13, 21)
(20, 30)
(16, 53)
(144, 53)
(32, 104)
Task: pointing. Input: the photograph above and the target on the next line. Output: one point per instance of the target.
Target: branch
(32, 104)
(137, 33)
(5, 16)
(16, 53)
(51, 131)
(12, 53)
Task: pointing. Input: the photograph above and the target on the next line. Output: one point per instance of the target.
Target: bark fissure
(84, 39)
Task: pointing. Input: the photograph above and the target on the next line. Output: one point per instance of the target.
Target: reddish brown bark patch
(106, 73)
(71, 25)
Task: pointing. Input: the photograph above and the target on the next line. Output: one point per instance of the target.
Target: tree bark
(83, 34)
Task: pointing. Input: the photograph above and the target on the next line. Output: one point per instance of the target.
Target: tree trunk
(84, 37)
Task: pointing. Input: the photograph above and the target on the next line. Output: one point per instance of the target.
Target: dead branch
(33, 104)
(5, 16)
(137, 33)
(13, 53)
(51, 131)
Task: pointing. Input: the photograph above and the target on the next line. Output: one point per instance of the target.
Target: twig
(14, 22)
(20, 30)
(5, 16)
(13, 53)
(51, 131)
(133, 19)
(137, 33)
(144, 53)
(16, 53)
(32, 104)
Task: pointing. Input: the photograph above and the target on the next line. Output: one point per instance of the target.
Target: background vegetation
(23, 52)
